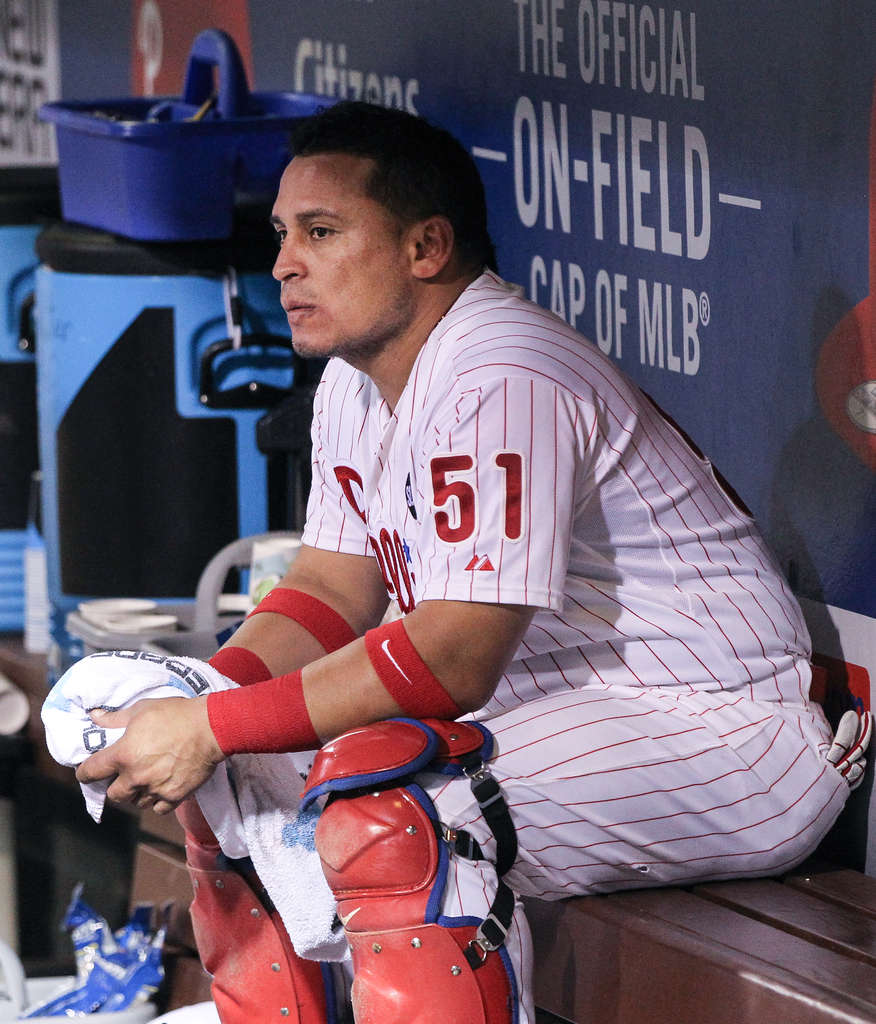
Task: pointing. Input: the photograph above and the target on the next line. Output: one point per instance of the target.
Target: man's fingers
(121, 791)
(99, 766)
(111, 719)
(165, 751)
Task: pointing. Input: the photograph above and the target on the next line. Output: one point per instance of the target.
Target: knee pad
(385, 856)
(243, 945)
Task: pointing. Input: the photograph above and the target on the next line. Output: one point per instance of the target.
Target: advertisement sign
(689, 185)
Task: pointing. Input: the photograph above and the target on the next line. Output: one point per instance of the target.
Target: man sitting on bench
(612, 672)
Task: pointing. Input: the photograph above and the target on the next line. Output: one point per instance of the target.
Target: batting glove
(850, 745)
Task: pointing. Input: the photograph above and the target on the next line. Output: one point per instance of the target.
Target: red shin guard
(383, 860)
(256, 973)
(419, 975)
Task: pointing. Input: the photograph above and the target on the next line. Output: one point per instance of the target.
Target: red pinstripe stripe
(504, 445)
(529, 489)
(570, 626)
(698, 812)
(494, 700)
(613, 746)
(699, 836)
(560, 670)
(737, 872)
(732, 646)
(639, 795)
(499, 729)
(653, 625)
(646, 766)
(579, 726)
(529, 469)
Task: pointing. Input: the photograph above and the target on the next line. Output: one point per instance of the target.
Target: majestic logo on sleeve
(480, 563)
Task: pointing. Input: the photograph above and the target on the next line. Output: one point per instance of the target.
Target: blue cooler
(155, 362)
(172, 168)
(28, 197)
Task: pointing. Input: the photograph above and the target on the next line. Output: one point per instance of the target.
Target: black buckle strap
(460, 842)
(489, 796)
(493, 930)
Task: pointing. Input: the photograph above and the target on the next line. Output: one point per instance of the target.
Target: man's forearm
(466, 648)
(327, 600)
(281, 643)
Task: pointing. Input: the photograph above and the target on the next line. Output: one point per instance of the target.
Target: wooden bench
(797, 951)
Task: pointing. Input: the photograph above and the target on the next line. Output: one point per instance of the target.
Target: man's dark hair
(420, 169)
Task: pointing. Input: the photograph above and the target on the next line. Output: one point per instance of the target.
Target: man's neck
(391, 367)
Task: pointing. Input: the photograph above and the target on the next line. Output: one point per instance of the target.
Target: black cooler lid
(29, 195)
(76, 249)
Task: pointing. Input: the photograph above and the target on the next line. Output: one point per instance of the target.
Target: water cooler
(28, 196)
(155, 361)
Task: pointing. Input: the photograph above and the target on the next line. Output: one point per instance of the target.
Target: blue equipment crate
(172, 169)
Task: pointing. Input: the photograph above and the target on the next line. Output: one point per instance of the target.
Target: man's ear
(432, 244)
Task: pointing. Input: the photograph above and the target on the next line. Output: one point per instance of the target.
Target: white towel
(283, 851)
(251, 802)
(115, 680)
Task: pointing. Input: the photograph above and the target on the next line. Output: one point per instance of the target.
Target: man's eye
(319, 232)
(280, 235)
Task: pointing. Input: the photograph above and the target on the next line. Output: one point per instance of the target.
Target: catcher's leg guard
(385, 859)
(242, 943)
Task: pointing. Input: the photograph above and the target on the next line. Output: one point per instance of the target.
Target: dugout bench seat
(797, 951)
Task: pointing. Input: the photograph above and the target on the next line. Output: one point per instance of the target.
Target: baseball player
(591, 676)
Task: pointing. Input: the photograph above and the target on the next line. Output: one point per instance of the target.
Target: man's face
(345, 277)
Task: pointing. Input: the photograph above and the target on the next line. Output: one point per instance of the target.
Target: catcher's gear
(242, 943)
(385, 855)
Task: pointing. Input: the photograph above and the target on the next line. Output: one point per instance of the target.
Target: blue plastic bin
(172, 169)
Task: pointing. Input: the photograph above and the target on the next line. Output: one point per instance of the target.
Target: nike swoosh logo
(346, 920)
(385, 648)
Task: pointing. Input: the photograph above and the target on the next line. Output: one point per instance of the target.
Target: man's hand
(168, 750)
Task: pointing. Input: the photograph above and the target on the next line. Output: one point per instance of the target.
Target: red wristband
(269, 717)
(319, 619)
(407, 678)
(243, 666)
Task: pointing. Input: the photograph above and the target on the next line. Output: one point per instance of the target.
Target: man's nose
(286, 264)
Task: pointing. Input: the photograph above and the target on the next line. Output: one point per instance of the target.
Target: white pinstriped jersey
(520, 466)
